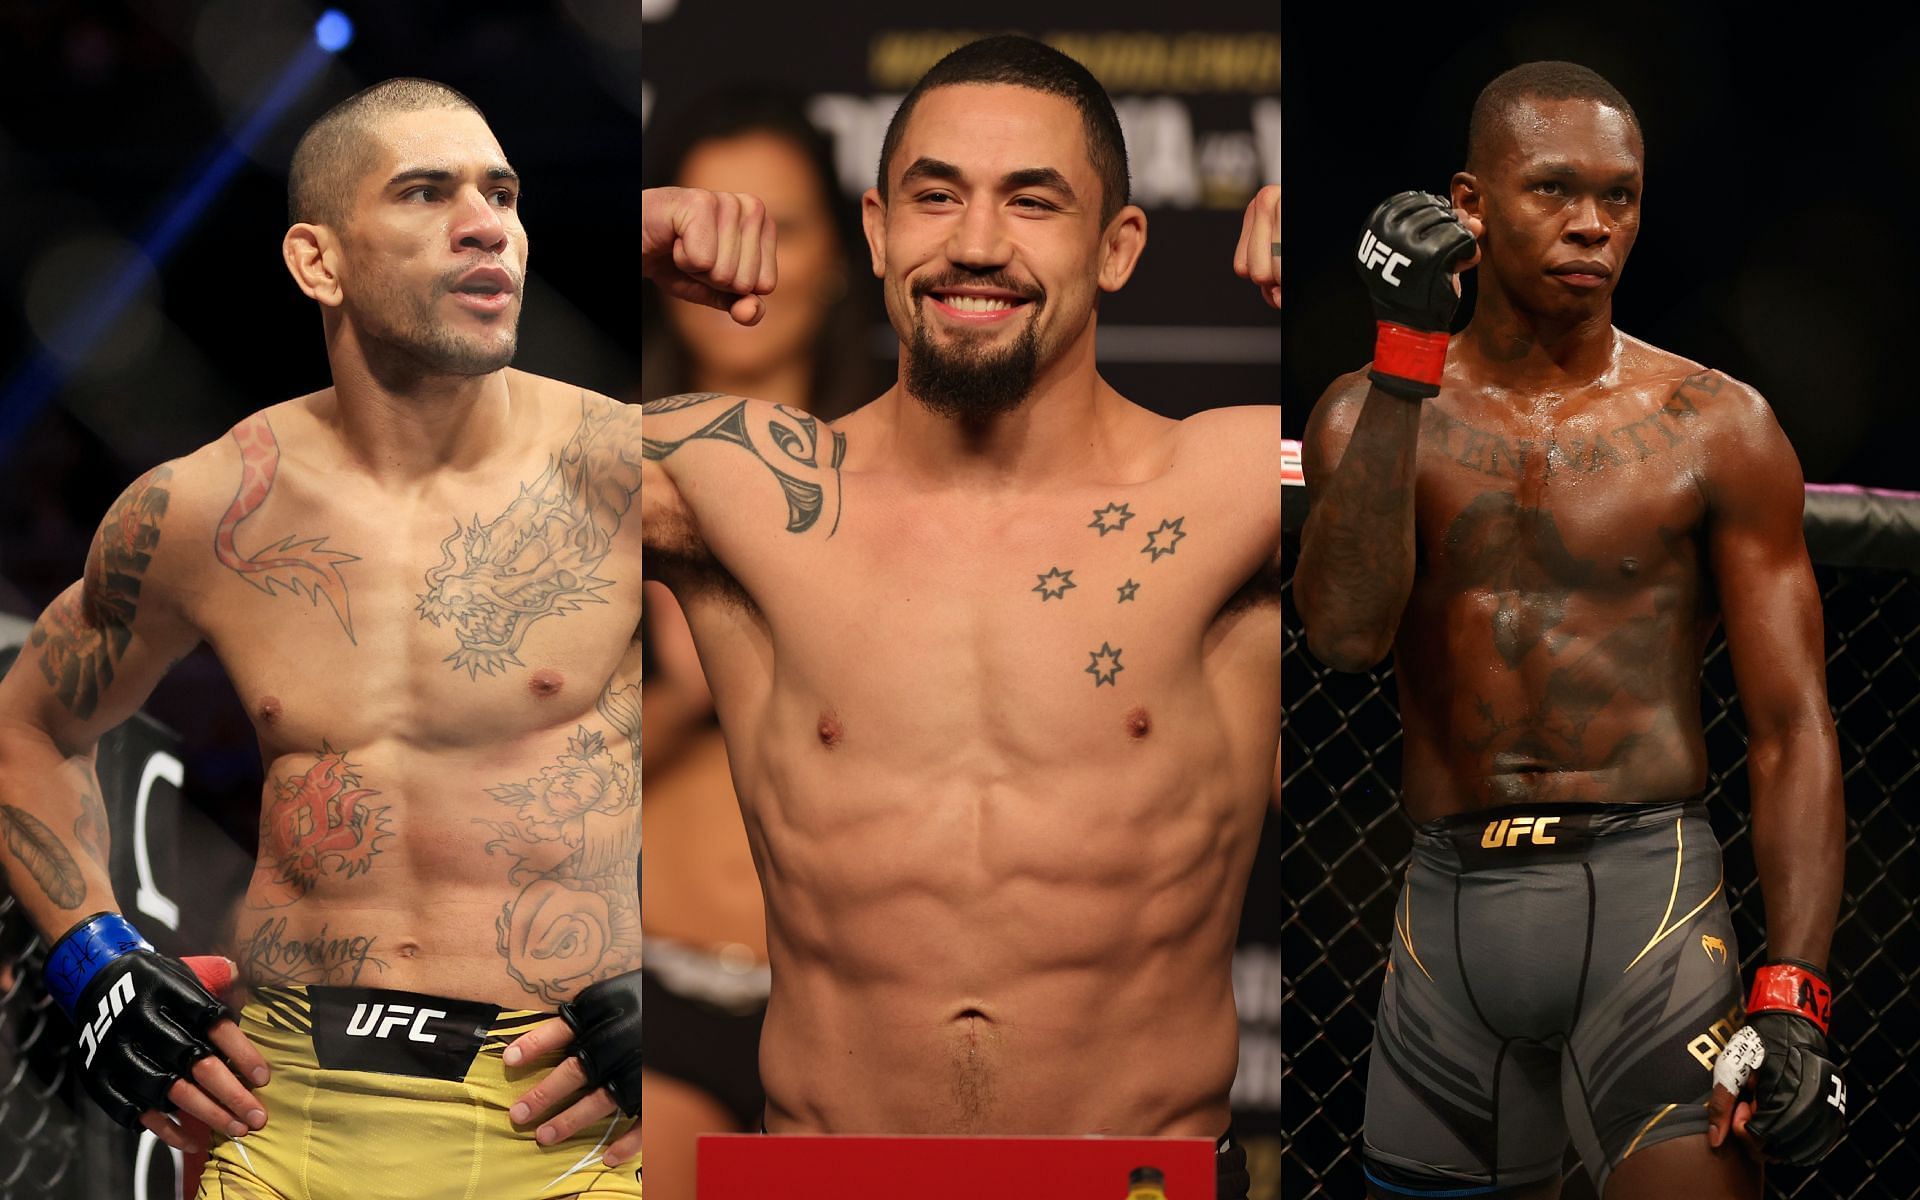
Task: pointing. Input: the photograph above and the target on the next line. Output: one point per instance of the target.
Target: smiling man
(1543, 519)
(423, 587)
(996, 657)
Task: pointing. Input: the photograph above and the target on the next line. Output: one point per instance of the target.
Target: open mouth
(977, 307)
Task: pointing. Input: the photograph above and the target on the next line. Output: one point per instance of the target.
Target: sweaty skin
(1002, 754)
(470, 733)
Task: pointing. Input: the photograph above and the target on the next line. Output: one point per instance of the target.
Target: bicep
(1769, 599)
(1329, 429)
(98, 650)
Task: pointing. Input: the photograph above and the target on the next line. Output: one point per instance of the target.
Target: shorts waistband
(393, 1032)
(1520, 834)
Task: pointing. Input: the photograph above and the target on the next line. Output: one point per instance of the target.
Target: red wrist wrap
(1784, 987)
(1409, 353)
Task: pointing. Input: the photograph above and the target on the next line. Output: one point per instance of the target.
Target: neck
(1510, 346)
(400, 423)
(1054, 431)
(788, 382)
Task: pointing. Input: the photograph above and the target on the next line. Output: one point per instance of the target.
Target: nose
(979, 239)
(1587, 223)
(478, 224)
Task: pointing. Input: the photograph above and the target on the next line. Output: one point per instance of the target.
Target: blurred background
(1776, 233)
(144, 310)
(790, 103)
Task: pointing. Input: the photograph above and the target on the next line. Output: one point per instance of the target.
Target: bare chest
(1604, 499)
(457, 619)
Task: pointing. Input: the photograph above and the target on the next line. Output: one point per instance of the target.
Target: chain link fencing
(1345, 845)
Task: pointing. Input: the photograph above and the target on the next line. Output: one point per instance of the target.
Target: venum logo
(117, 998)
(1509, 830)
(367, 1021)
(1715, 948)
(1374, 252)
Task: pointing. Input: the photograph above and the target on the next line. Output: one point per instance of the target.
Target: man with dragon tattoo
(425, 588)
(996, 656)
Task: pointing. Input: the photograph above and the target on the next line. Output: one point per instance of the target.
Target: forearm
(1799, 838)
(1357, 550)
(53, 831)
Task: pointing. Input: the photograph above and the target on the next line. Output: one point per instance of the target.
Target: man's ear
(1121, 246)
(312, 255)
(1465, 190)
(873, 218)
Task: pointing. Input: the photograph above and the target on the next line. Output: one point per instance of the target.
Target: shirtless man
(997, 657)
(1543, 520)
(423, 586)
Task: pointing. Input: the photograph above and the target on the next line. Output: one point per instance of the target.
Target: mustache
(447, 282)
(988, 279)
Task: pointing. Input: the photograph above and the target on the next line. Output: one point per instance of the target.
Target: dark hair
(845, 371)
(336, 150)
(1023, 62)
(1549, 80)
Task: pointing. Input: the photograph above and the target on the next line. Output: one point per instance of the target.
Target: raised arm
(91, 661)
(1357, 550)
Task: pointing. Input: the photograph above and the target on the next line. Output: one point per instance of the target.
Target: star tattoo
(1110, 518)
(1104, 673)
(1174, 533)
(1127, 590)
(1054, 583)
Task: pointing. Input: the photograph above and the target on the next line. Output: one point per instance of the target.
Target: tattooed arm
(90, 662)
(1771, 606)
(1357, 551)
(714, 462)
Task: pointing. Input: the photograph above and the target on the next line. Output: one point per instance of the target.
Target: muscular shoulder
(1744, 450)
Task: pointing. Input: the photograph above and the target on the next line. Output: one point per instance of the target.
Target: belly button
(1139, 724)
(1629, 566)
(546, 682)
(409, 949)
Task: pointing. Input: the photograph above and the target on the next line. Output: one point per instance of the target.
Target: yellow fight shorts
(385, 1095)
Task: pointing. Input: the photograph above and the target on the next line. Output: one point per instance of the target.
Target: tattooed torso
(444, 681)
(1002, 753)
(1551, 648)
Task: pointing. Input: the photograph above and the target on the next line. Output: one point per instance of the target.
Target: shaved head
(1493, 111)
(339, 148)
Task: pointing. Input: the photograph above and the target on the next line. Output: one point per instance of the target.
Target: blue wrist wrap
(88, 946)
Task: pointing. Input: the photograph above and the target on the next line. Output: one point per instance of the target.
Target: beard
(410, 336)
(967, 379)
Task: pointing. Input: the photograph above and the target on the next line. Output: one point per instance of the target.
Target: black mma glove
(1799, 1099)
(143, 1017)
(605, 1019)
(1407, 252)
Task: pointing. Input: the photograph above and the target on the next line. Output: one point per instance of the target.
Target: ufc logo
(1374, 252)
(1509, 830)
(1839, 1097)
(367, 1016)
(116, 999)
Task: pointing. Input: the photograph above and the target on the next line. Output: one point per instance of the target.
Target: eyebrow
(1025, 177)
(1568, 171)
(442, 175)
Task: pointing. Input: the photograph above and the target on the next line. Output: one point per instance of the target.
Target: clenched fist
(713, 248)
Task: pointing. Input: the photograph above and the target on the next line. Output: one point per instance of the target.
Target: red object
(215, 973)
(759, 1167)
(1784, 987)
(1409, 353)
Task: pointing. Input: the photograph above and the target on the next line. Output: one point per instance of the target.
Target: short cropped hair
(1537, 81)
(337, 149)
(1024, 62)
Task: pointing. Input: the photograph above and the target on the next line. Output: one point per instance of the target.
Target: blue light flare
(333, 32)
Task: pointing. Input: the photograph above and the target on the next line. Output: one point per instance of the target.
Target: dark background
(1777, 240)
(108, 110)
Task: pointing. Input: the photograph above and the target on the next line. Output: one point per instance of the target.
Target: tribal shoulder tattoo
(537, 559)
(83, 634)
(573, 835)
(790, 449)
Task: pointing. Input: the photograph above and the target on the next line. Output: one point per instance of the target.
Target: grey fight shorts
(1558, 972)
